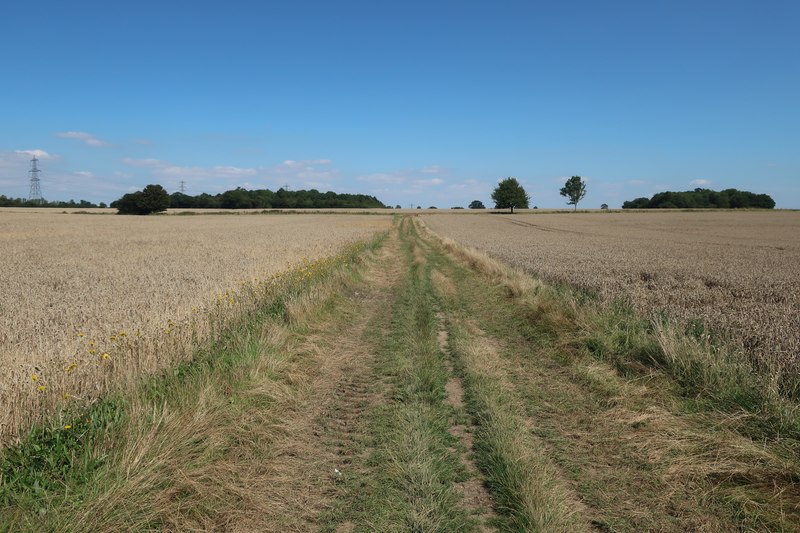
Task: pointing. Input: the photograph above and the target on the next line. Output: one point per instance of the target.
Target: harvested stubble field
(737, 272)
(88, 302)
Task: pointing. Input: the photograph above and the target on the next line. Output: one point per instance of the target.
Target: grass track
(334, 411)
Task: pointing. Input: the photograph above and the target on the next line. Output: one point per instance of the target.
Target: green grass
(408, 480)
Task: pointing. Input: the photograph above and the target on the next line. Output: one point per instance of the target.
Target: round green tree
(510, 194)
(476, 204)
(575, 190)
(152, 199)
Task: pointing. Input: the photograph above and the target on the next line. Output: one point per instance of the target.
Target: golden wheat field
(739, 272)
(88, 301)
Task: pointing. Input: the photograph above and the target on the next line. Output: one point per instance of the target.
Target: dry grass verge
(200, 448)
(641, 451)
(733, 275)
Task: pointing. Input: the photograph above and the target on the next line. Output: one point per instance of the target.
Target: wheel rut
(319, 442)
(476, 496)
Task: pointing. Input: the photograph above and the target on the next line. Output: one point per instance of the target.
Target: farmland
(88, 301)
(737, 273)
(407, 383)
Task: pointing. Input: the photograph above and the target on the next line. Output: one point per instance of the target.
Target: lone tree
(476, 204)
(509, 193)
(152, 199)
(575, 190)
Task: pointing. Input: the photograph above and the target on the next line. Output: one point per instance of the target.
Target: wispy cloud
(433, 169)
(41, 154)
(432, 181)
(57, 183)
(300, 174)
(700, 183)
(14, 166)
(305, 163)
(394, 178)
(141, 162)
(86, 138)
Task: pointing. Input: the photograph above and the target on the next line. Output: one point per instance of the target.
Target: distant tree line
(240, 198)
(702, 198)
(23, 202)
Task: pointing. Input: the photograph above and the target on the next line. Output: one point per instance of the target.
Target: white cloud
(432, 181)
(301, 174)
(305, 163)
(141, 162)
(57, 183)
(433, 169)
(87, 138)
(470, 185)
(384, 177)
(203, 172)
(700, 183)
(41, 154)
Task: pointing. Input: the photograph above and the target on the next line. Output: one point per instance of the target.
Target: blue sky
(424, 103)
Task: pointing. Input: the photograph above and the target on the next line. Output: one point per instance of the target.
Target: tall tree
(575, 190)
(510, 194)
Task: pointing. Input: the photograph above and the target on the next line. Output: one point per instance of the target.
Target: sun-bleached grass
(733, 275)
(716, 375)
(189, 449)
(92, 302)
(621, 405)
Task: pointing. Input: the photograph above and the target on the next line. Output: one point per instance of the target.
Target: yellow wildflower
(34, 378)
(105, 356)
(41, 388)
(67, 426)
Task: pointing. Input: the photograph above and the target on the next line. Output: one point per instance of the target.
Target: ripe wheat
(89, 302)
(736, 273)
